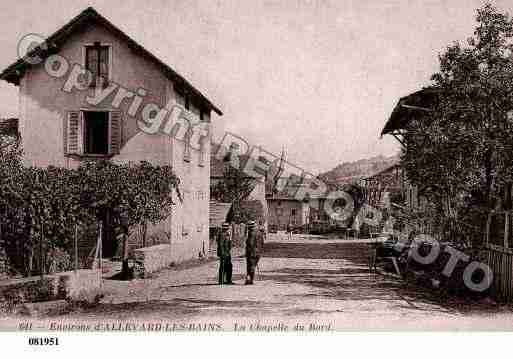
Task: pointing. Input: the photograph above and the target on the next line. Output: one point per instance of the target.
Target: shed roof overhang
(409, 107)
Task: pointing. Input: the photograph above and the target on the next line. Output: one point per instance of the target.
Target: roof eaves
(409, 104)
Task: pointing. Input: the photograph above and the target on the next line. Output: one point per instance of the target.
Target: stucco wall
(43, 111)
(280, 213)
(258, 193)
(191, 224)
(44, 103)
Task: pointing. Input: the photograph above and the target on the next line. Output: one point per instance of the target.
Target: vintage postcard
(295, 166)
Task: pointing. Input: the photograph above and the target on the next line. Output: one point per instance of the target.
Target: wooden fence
(500, 261)
(498, 255)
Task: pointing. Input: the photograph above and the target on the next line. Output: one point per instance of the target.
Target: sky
(318, 78)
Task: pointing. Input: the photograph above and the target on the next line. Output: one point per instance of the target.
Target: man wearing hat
(254, 247)
(224, 248)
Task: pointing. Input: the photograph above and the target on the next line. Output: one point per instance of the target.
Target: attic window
(97, 62)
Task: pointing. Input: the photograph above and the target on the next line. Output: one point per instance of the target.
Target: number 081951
(43, 341)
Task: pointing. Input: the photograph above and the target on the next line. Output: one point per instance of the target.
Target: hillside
(348, 172)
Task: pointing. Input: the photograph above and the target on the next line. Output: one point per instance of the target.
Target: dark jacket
(255, 243)
(224, 244)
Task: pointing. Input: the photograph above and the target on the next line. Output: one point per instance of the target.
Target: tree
(126, 196)
(43, 206)
(235, 186)
(10, 163)
(461, 150)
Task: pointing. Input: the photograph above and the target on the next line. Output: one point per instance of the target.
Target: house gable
(86, 18)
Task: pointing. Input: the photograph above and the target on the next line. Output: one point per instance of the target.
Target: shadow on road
(176, 307)
(354, 281)
(356, 252)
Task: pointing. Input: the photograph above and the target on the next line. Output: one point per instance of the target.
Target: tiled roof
(408, 107)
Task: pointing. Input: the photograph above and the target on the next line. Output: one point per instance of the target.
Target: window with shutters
(115, 132)
(72, 143)
(96, 133)
(97, 62)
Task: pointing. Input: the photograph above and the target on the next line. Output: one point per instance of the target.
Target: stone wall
(155, 258)
(82, 285)
(152, 259)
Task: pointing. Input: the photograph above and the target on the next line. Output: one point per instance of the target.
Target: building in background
(285, 210)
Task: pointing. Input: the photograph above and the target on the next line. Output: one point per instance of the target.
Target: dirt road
(315, 283)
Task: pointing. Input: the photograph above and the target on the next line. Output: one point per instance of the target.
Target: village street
(324, 282)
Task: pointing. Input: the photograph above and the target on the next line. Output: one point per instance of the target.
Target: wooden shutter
(73, 140)
(115, 132)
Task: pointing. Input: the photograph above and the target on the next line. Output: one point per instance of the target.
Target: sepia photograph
(264, 167)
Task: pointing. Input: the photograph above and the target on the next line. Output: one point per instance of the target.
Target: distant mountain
(348, 172)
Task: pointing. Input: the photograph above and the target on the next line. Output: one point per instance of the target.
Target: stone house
(95, 94)
(307, 213)
(285, 210)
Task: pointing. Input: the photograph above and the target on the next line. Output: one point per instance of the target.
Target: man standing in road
(224, 248)
(254, 247)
